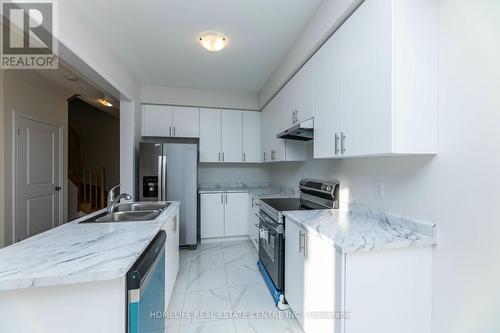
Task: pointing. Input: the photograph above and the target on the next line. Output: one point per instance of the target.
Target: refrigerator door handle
(160, 182)
(164, 178)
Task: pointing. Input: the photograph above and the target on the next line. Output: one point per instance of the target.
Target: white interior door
(39, 197)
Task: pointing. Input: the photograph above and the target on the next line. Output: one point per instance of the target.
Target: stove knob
(328, 188)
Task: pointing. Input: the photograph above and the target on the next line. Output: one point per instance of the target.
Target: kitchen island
(73, 278)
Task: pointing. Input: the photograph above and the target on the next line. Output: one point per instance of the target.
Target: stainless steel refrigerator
(168, 172)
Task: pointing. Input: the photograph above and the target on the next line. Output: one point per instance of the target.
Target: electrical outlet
(379, 189)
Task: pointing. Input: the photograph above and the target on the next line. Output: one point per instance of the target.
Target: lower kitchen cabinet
(171, 255)
(384, 291)
(224, 214)
(309, 275)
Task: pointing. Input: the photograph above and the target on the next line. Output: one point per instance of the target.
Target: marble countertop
(358, 228)
(78, 253)
(258, 189)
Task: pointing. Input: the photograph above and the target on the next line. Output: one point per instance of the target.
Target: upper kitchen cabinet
(298, 97)
(170, 121)
(251, 137)
(210, 135)
(232, 136)
(157, 120)
(375, 82)
(229, 136)
(186, 122)
(272, 148)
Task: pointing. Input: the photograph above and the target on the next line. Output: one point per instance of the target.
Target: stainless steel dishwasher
(146, 289)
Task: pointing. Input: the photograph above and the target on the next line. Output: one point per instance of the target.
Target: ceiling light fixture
(105, 102)
(213, 41)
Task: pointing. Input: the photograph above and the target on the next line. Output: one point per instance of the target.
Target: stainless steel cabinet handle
(223, 157)
(219, 157)
(222, 199)
(244, 157)
(342, 142)
(169, 130)
(302, 243)
(264, 156)
(253, 202)
(174, 130)
(159, 177)
(226, 198)
(337, 150)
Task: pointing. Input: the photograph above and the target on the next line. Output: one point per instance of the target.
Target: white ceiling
(156, 39)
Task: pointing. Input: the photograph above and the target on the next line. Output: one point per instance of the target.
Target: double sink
(130, 212)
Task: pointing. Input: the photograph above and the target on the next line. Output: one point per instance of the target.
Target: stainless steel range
(314, 194)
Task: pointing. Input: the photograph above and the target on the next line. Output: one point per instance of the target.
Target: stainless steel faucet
(114, 200)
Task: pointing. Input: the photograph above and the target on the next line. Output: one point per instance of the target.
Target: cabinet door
(299, 98)
(172, 255)
(367, 80)
(212, 215)
(232, 136)
(265, 130)
(186, 122)
(251, 137)
(210, 135)
(236, 216)
(294, 268)
(156, 120)
(321, 287)
(327, 99)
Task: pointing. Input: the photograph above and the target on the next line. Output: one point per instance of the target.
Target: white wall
(28, 93)
(102, 68)
(199, 97)
(234, 173)
(2, 171)
(460, 188)
(326, 20)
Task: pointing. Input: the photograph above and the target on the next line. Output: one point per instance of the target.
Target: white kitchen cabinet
(170, 121)
(327, 99)
(212, 215)
(272, 148)
(251, 137)
(387, 101)
(235, 217)
(221, 214)
(210, 135)
(298, 97)
(360, 288)
(253, 220)
(171, 255)
(294, 268)
(157, 120)
(232, 136)
(186, 122)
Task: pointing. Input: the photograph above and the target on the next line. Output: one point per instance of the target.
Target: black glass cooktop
(286, 204)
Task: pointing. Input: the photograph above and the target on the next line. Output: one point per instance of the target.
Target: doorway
(38, 170)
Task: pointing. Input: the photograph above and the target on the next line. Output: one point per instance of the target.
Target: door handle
(57, 188)
(302, 243)
(342, 142)
(336, 143)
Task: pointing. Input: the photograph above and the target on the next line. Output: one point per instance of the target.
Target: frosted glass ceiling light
(213, 41)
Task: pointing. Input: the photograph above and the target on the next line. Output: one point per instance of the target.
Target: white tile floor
(220, 277)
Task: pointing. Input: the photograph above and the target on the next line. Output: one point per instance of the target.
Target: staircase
(90, 180)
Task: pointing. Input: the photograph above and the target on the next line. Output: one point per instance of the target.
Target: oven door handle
(268, 224)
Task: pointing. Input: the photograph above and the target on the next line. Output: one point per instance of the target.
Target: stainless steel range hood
(303, 131)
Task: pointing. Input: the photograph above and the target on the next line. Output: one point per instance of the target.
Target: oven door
(272, 249)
